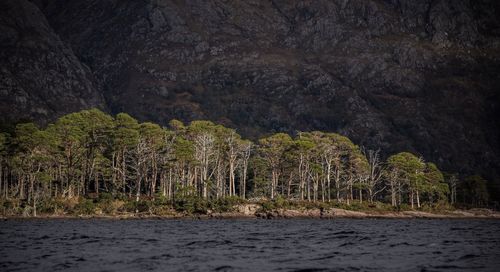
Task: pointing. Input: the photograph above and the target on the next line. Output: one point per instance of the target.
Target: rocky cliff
(40, 77)
(422, 76)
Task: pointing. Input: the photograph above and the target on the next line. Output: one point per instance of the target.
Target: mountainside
(422, 76)
(40, 77)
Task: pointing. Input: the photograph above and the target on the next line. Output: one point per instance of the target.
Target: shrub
(161, 200)
(105, 196)
(10, 207)
(69, 204)
(226, 204)
(403, 207)
(267, 206)
(85, 206)
(143, 206)
(49, 206)
(281, 203)
(191, 205)
(129, 206)
(109, 204)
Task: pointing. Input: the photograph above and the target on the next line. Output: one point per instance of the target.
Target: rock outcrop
(40, 77)
(398, 75)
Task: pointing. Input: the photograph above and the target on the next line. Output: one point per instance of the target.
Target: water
(250, 245)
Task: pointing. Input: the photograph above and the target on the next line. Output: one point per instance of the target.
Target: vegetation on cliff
(88, 162)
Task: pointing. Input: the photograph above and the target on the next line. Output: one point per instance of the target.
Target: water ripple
(249, 245)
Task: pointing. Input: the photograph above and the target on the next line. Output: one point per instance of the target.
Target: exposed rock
(247, 209)
(418, 214)
(334, 212)
(286, 213)
(40, 77)
(421, 76)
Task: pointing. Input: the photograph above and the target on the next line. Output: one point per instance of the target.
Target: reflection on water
(250, 245)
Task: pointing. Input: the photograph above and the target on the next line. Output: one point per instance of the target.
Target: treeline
(87, 153)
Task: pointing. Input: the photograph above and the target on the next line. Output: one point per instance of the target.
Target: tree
(452, 181)
(246, 152)
(234, 147)
(202, 133)
(392, 177)
(343, 148)
(33, 162)
(375, 170)
(166, 160)
(87, 153)
(68, 130)
(302, 147)
(184, 155)
(125, 140)
(272, 148)
(151, 141)
(358, 172)
(474, 190)
(434, 184)
(25, 160)
(97, 130)
(410, 170)
(4, 187)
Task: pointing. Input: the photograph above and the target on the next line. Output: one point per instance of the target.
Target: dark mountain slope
(400, 75)
(40, 77)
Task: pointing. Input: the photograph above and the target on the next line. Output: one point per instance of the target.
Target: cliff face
(401, 75)
(40, 77)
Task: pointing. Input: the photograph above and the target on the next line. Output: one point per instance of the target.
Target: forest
(90, 159)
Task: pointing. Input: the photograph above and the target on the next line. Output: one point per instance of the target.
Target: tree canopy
(87, 153)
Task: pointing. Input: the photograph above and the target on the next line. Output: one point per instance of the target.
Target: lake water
(250, 245)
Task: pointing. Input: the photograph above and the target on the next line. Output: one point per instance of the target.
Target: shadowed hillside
(409, 75)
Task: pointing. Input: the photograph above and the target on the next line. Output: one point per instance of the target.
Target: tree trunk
(273, 180)
(1, 179)
(289, 187)
(328, 172)
(411, 198)
(169, 190)
(113, 170)
(308, 181)
(351, 194)
(21, 187)
(34, 204)
(337, 182)
(418, 200)
(393, 193)
(232, 177)
(323, 194)
(138, 191)
(315, 189)
(244, 181)
(96, 183)
(124, 172)
(399, 193)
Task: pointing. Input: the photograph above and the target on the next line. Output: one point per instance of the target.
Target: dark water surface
(250, 245)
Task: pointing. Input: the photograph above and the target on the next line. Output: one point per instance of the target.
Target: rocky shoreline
(341, 213)
(253, 211)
